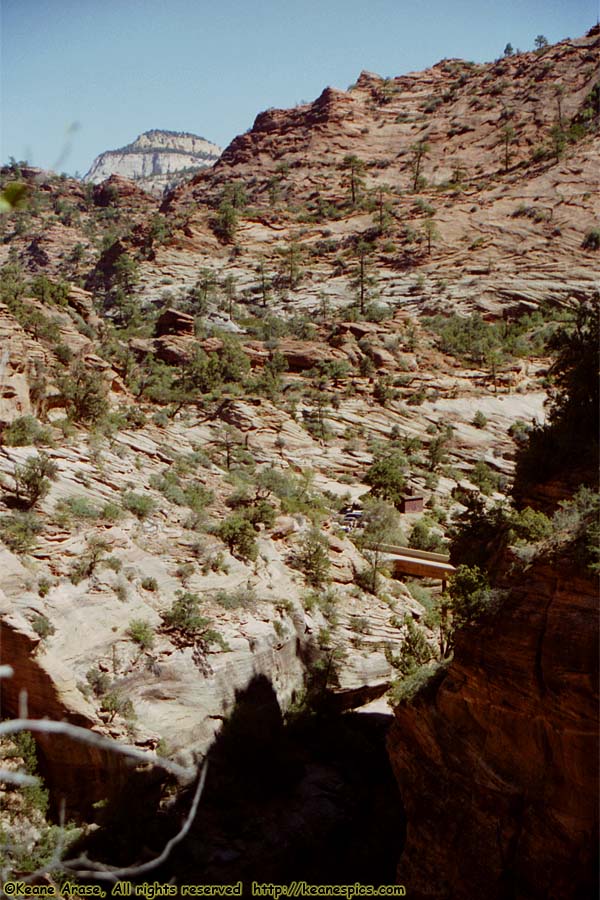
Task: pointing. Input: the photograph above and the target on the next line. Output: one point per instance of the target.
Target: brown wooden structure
(411, 503)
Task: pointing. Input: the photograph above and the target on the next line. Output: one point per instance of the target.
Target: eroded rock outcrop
(49, 691)
(495, 758)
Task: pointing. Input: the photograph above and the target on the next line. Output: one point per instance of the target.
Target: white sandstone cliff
(155, 160)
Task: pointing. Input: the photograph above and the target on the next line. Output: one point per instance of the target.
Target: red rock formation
(175, 347)
(77, 772)
(460, 109)
(19, 358)
(497, 761)
(173, 321)
(118, 191)
(303, 355)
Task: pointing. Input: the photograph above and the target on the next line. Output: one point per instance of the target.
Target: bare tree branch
(18, 778)
(83, 867)
(48, 726)
(106, 873)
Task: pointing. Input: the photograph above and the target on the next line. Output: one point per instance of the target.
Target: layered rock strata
(155, 159)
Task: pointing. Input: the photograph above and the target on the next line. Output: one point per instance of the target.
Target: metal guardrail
(410, 552)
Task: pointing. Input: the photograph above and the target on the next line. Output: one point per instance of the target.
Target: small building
(411, 503)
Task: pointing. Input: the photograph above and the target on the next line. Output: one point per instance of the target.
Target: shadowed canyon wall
(494, 759)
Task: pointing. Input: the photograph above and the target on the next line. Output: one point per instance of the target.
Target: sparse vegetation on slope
(217, 415)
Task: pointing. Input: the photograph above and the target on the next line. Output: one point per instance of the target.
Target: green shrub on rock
(84, 393)
(592, 240)
(19, 531)
(24, 431)
(238, 533)
(312, 558)
(42, 626)
(142, 633)
(32, 479)
(141, 505)
(184, 616)
(149, 584)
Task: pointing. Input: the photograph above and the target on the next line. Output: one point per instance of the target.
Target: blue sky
(81, 76)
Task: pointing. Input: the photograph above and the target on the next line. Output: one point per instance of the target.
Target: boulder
(173, 321)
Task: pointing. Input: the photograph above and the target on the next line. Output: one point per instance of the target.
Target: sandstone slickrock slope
(156, 160)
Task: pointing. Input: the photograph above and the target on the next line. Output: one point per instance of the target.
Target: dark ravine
(280, 788)
(310, 798)
(493, 760)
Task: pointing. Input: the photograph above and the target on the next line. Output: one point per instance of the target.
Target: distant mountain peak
(157, 159)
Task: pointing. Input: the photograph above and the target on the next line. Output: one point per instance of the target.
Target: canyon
(358, 301)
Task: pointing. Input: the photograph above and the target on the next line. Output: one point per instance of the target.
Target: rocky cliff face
(511, 207)
(156, 160)
(493, 760)
(51, 692)
(459, 108)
